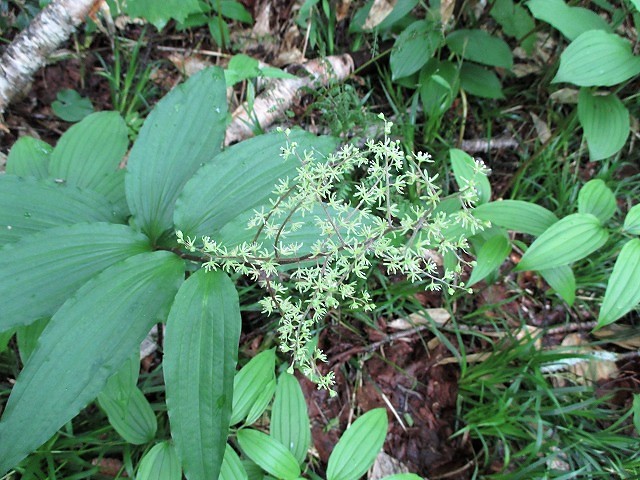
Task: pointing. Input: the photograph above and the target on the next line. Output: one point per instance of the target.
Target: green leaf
(269, 453)
(241, 67)
(598, 199)
(87, 341)
(232, 468)
(29, 206)
(632, 220)
(239, 179)
(479, 81)
(261, 403)
(490, 256)
(464, 169)
(129, 412)
(622, 294)
(200, 355)
(439, 85)
(89, 153)
(160, 463)
(403, 476)
(249, 383)
(289, 417)
(159, 13)
(605, 121)
(516, 215)
(41, 271)
(70, 106)
(359, 446)
(515, 22)
(636, 396)
(400, 10)
(571, 21)
(414, 47)
(562, 280)
(233, 10)
(182, 133)
(28, 336)
(570, 239)
(29, 157)
(597, 58)
(481, 47)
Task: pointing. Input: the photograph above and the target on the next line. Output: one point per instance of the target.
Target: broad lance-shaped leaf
(605, 121)
(200, 355)
(632, 220)
(89, 153)
(622, 293)
(570, 239)
(480, 81)
(232, 468)
(414, 47)
(29, 157)
(490, 256)
(238, 180)
(27, 337)
(160, 463)
(464, 169)
(249, 383)
(571, 21)
(269, 453)
(159, 13)
(517, 215)
(481, 47)
(85, 343)
(359, 446)
(289, 417)
(41, 271)
(29, 206)
(182, 133)
(562, 280)
(598, 199)
(261, 403)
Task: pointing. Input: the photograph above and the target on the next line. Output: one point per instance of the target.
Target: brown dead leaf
(385, 465)
(110, 467)
(446, 10)
(598, 366)
(379, 11)
(188, 65)
(565, 95)
(620, 335)
(542, 129)
(438, 315)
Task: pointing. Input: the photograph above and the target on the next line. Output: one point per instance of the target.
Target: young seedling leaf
(414, 47)
(480, 81)
(480, 47)
(597, 59)
(89, 337)
(622, 294)
(269, 453)
(571, 21)
(160, 463)
(566, 241)
(464, 169)
(359, 446)
(562, 280)
(598, 199)
(70, 106)
(632, 220)
(490, 256)
(605, 121)
(52, 265)
(182, 133)
(517, 215)
(29, 157)
(290, 418)
(232, 468)
(249, 383)
(200, 355)
(29, 206)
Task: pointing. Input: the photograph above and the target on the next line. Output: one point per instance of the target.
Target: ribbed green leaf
(570, 239)
(481, 47)
(632, 220)
(261, 403)
(622, 294)
(159, 13)
(28, 336)
(232, 468)
(439, 85)
(597, 59)
(41, 271)
(89, 153)
(250, 382)
(183, 132)
(597, 199)
(464, 170)
(414, 47)
(289, 417)
(269, 453)
(240, 179)
(515, 22)
(87, 341)
(562, 280)
(160, 463)
(200, 355)
(28, 206)
(479, 81)
(29, 157)
(129, 412)
(605, 121)
(571, 21)
(359, 446)
(517, 215)
(489, 258)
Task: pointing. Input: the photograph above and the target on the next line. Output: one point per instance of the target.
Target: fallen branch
(30, 49)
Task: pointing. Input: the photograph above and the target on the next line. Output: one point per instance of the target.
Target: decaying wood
(280, 94)
(30, 49)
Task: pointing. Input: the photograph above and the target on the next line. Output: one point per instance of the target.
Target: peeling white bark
(30, 49)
